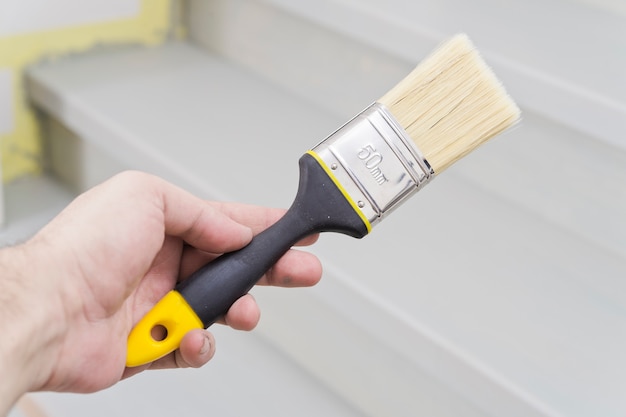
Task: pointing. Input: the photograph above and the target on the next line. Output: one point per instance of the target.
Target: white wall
(615, 6)
(23, 16)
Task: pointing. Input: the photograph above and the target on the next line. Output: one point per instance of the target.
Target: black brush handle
(319, 206)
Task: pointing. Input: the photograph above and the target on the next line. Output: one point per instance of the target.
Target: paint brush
(446, 107)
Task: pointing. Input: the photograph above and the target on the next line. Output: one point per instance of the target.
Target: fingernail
(247, 232)
(206, 345)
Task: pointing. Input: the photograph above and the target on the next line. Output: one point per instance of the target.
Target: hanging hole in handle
(158, 333)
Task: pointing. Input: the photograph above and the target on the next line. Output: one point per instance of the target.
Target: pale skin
(70, 296)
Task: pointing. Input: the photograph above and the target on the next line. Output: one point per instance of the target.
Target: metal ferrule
(375, 161)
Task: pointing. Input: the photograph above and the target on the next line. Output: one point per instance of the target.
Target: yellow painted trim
(345, 193)
(21, 149)
(175, 315)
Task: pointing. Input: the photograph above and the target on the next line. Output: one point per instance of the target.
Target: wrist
(31, 327)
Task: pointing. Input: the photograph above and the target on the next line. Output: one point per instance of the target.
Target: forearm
(25, 326)
(14, 381)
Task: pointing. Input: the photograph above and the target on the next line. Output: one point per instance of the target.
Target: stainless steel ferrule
(375, 161)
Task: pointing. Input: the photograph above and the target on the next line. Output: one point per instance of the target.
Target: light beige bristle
(451, 103)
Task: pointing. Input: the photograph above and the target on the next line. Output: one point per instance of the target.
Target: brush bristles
(451, 103)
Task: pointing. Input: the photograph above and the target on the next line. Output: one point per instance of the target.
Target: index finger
(196, 221)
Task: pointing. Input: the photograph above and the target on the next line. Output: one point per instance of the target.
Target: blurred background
(498, 290)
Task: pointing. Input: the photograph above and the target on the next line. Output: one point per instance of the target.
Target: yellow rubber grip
(172, 313)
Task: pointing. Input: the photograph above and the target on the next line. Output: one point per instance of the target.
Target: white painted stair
(498, 290)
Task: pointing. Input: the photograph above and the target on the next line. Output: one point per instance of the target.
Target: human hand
(85, 279)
